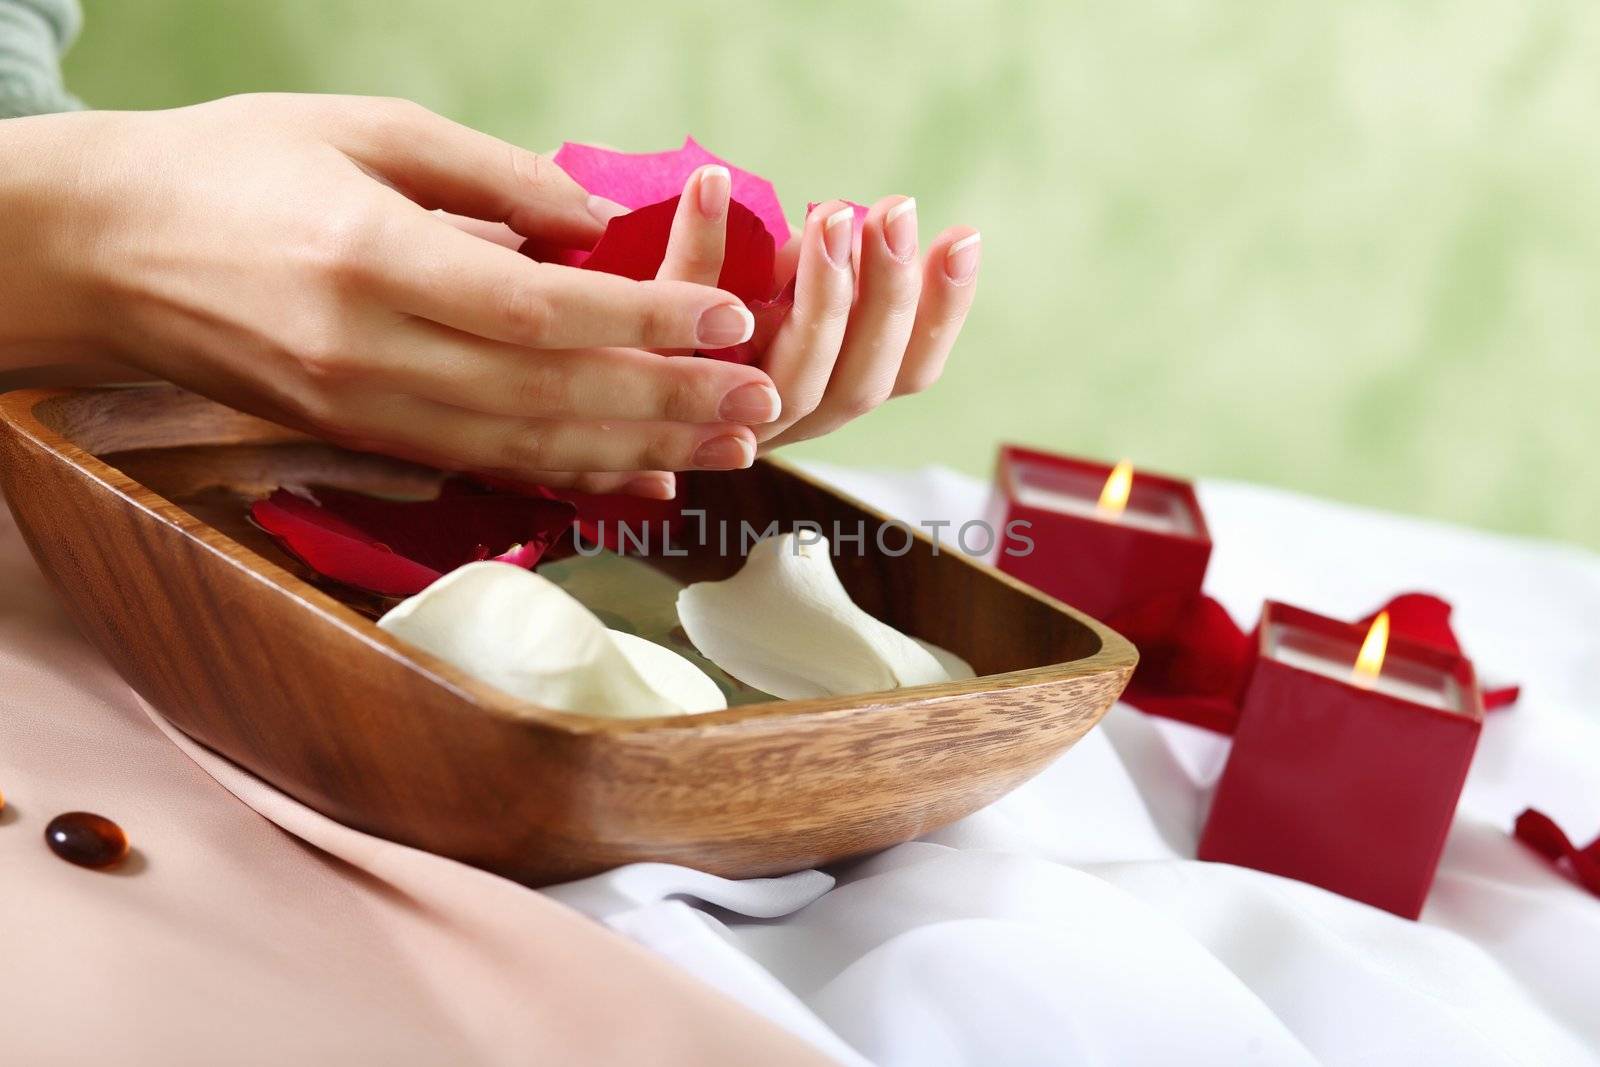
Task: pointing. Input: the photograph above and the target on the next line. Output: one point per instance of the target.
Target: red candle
(1348, 759)
(1123, 547)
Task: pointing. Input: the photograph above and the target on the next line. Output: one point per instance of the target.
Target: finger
(428, 360)
(801, 356)
(787, 259)
(880, 323)
(950, 280)
(650, 485)
(498, 232)
(452, 438)
(443, 164)
(423, 266)
(699, 229)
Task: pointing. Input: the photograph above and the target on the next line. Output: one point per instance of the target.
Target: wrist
(48, 311)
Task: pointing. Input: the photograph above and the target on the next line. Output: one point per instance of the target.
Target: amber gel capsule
(87, 839)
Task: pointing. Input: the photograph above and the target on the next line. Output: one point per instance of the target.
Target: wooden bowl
(133, 501)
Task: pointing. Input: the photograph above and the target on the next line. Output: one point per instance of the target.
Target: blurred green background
(1351, 249)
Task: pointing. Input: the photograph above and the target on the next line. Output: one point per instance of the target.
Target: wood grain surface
(132, 501)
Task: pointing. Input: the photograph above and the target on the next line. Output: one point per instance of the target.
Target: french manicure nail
(753, 404)
(724, 325)
(837, 231)
(716, 184)
(724, 454)
(605, 210)
(961, 261)
(900, 229)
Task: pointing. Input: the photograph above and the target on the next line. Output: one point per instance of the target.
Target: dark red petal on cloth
(1198, 673)
(1501, 696)
(400, 547)
(1539, 832)
(1197, 676)
(638, 179)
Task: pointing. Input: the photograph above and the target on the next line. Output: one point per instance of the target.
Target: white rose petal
(524, 635)
(785, 625)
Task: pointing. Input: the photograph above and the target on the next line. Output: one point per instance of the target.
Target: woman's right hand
(280, 254)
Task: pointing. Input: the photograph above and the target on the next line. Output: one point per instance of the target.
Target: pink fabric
(225, 939)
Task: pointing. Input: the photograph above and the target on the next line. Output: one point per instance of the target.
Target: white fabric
(1069, 923)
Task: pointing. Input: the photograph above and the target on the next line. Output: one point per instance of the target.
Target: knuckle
(701, 260)
(801, 406)
(902, 292)
(543, 390)
(528, 449)
(592, 482)
(830, 316)
(916, 381)
(852, 408)
(662, 451)
(528, 168)
(864, 402)
(341, 246)
(653, 322)
(682, 398)
(398, 110)
(526, 313)
(323, 354)
(902, 302)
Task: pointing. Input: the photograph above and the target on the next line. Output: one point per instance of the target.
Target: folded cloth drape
(224, 939)
(1066, 923)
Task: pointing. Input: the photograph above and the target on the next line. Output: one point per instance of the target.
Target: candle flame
(1114, 497)
(1369, 661)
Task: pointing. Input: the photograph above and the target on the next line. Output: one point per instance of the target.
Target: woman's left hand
(870, 320)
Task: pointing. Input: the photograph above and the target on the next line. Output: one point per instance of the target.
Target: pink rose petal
(639, 179)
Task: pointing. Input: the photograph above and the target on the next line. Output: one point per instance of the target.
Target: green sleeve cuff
(33, 35)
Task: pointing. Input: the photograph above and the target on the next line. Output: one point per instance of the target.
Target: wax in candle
(1333, 658)
(1078, 493)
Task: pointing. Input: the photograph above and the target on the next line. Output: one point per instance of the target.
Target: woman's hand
(278, 253)
(868, 322)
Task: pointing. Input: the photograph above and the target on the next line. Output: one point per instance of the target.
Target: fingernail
(753, 404)
(716, 184)
(900, 229)
(724, 325)
(724, 454)
(961, 261)
(605, 210)
(837, 232)
(654, 486)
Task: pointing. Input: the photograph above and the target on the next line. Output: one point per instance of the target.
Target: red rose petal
(335, 550)
(1420, 617)
(1539, 832)
(397, 548)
